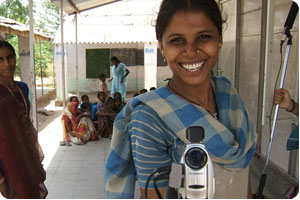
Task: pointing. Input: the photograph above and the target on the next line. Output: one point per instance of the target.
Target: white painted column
(24, 58)
(62, 54)
(32, 84)
(150, 65)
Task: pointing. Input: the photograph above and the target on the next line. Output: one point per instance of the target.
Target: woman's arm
(127, 72)
(105, 114)
(4, 187)
(282, 97)
(150, 147)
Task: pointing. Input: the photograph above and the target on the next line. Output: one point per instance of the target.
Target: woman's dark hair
(84, 96)
(73, 97)
(169, 7)
(118, 99)
(109, 99)
(143, 91)
(101, 92)
(117, 93)
(102, 75)
(114, 58)
(6, 44)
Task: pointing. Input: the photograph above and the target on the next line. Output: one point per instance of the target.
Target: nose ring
(198, 51)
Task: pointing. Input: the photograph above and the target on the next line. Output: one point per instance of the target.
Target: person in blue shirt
(119, 79)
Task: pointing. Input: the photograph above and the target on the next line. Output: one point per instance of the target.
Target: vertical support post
(150, 64)
(63, 74)
(265, 62)
(237, 44)
(76, 36)
(41, 66)
(32, 67)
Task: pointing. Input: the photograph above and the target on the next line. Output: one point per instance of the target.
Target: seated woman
(78, 127)
(106, 116)
(119, 105)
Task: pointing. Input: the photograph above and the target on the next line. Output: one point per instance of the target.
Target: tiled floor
(73, 172)
(76, 172)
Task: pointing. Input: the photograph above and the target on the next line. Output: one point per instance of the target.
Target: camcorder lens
(196, 158)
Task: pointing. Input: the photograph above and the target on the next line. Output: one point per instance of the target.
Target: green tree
(46, 20)
(14, 9)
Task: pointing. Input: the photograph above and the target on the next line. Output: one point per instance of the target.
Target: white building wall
(250, 69)
(135, 78)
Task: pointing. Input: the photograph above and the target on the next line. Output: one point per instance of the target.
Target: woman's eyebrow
(200, 32)
(174, 35)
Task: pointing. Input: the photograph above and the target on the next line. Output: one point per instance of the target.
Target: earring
(198, 51)
(162, 52)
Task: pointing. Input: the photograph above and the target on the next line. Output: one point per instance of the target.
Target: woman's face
(7, 63)
(111, 103)
(75, 99)
(102, 97)
(191, 44)
(114, 63)
(118, 102)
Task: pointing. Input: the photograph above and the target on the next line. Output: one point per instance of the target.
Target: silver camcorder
(197, 179)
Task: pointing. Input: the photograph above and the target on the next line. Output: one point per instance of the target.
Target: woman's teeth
(192, 66)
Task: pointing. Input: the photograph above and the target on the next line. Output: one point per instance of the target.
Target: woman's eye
(204, 37)
(177, 40)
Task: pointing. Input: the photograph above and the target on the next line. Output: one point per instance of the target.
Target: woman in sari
(78, 127)
(21, 171)
(119, 79)
(150, 131)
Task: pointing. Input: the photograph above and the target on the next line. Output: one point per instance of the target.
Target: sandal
(62, 143)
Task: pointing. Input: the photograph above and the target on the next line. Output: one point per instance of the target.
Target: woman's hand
(282, 97)
(4, 189)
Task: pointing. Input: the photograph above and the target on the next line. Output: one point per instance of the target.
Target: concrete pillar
(24, 54)
(150, 63)
(58, 72)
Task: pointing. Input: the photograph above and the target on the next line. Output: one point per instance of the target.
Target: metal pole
(76, 36)
(41, 67)
(277, 106)
(263, 178)
(237, 45)
(32, 80)
(62, 54)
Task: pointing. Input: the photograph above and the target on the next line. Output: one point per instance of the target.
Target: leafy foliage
(14, 9)
(46, 20)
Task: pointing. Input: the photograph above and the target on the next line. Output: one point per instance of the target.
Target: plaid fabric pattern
(230, 140)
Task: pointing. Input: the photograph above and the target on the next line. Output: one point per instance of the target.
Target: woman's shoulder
(221, 79)
(23, 86)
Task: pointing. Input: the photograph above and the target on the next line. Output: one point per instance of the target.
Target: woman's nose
(191, 48)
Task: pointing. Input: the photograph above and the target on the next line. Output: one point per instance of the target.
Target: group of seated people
(142, 91)
(89, 121)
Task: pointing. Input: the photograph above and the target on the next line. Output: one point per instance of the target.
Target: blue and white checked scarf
(230, 140)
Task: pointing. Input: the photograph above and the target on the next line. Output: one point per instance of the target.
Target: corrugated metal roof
(13, 27)
(75, 6)
(127, 21)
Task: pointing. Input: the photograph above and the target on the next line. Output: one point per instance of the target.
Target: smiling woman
(21, 172)
(149, 133)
